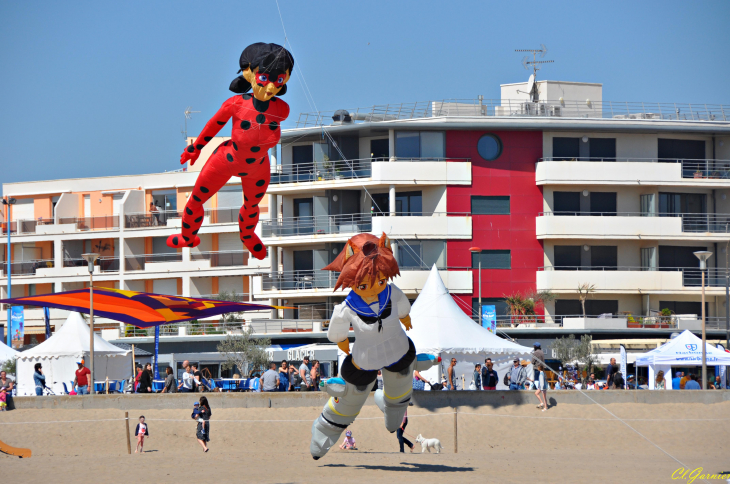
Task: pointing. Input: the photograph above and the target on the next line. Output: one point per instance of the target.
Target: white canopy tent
(59, 354)
(441, 328)
(6, 353)
(684, 350)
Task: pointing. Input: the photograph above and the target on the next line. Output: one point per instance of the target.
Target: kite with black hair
(257, 118)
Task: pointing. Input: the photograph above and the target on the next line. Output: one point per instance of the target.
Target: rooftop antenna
(526, 63)
(188, 112)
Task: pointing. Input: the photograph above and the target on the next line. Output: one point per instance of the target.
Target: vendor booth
(441, 328)
(684, 350)
(59, 354)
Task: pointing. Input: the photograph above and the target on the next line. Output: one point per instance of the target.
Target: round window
(489, 147)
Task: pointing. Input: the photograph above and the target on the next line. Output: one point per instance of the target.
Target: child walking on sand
(141, 431)
(349, 442)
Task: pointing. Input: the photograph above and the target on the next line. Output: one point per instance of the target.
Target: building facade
(569, 191)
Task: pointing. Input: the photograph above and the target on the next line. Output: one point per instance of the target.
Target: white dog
(429, 444)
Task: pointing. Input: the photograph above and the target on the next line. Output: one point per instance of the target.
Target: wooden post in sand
(456, 432)
(129, 444)
(134, 370)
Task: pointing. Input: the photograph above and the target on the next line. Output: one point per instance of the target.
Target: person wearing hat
(81, 380)
(538, 358)
(517, 375)
(349, 442)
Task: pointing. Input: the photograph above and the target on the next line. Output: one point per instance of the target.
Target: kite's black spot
(199, 219)
(195, 197)
(174, 240)
(204, 189)
(221, 122)
(234, 146)
(250, 160)
(273, 125)
(255, 149)
(208, 138)
(191, 149)
(260, 118)
(260, 183)
(229, 157)
(188, 211)
(257, 247)
(245, 124)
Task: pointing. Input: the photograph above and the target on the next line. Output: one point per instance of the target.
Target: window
(302, 154)
(671, 256)
(406, 203)
(303, 260)
(678, 203)
(685, 307)
(602, 149)
(412, 254)
(603, 203)
(303, 207)
(566, 149)
(566, 203)
(489, 147)
(492, 259)
(681, 149)
(419, 144)
(501, 308)
(489, 205)
(165, 200)
(230, 197)
(604, 257)
(566, 257)
(379, 149)
(594, 307)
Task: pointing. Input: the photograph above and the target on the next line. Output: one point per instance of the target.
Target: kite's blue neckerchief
(357, 304)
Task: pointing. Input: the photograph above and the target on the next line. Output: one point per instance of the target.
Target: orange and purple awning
(140, 309)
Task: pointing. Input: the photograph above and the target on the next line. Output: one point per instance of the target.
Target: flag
(47, 317)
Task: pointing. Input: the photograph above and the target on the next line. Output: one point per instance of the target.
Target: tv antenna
(188, 113)
(534, 63)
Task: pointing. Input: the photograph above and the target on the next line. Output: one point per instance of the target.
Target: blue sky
(99, 88)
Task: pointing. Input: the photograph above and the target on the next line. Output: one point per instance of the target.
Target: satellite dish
(531, 83)
(544, 50)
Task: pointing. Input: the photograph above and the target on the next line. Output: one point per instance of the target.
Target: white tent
(6, 353)
(59, 354)
(684, 350)
(441, 328)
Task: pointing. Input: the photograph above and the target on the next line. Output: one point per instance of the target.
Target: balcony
(232, 258)
(309, 283)
(425, 225)
(632, 171)
(141, 262)
(439, 171)
(173, 218)
(27, 268)
(315, 227)
(64, 225)
(630, 280)
(631, 225)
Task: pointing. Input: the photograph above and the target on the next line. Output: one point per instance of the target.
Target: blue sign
(489, 318)
(17, 326)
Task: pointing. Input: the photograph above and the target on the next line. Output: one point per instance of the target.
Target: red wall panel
(513, 174)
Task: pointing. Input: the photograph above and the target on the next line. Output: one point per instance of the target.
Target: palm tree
(584, 292)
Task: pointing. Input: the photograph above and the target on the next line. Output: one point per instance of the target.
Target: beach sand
(516, 443)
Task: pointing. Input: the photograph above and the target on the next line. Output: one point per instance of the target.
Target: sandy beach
(514, 443)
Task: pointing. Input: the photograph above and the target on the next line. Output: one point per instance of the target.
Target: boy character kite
(257, 118)
(378, 313)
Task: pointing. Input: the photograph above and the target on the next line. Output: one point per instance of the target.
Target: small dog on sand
(428, 444)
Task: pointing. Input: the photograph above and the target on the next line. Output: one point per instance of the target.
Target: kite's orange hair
(364, 254)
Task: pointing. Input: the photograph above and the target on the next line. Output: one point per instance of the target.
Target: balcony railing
(223, 259)
(522, 107)
(320, 171)
(27, 268)
(106, 264)
(320, 224)
(707, 168)
(28, 226)
(691, 276)
(224, 215)
(83, 224)
(691, 222)
(138, 262)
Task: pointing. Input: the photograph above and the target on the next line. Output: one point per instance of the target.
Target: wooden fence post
(129, 444)
(456, 431)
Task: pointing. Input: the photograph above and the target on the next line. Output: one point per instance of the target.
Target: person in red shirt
(81, 381)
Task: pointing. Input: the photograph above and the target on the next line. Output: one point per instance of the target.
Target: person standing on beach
(541, 384)
(315, 375)
(170, 383)
(538, 358)
(145, 380)
(141, 432)
(450, 374)
(270, 379)
(81, 380)
(203, 417)
(610, 370)
(489, 376)
(305, 375)
(284, 384)
(39, 379)
(186, 384)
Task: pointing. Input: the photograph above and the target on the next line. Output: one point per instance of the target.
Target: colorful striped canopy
(140, 309)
